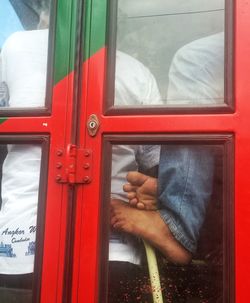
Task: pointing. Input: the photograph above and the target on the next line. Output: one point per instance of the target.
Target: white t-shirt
(127, 158)
(0, 67)
(196, 75)
(24, 67)
(134, 85)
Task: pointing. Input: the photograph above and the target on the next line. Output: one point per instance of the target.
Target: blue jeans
(185, 185)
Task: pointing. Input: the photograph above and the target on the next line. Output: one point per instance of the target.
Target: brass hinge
(73, 165)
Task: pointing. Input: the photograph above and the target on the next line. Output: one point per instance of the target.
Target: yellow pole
(153, 273)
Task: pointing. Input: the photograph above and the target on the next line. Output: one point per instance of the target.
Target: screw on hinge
(58, 178)
(59, 152)
(86, 179)
(86, 166)
(58, 165)
(86, 153)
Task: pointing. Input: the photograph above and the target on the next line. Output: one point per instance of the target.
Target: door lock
(93, 125)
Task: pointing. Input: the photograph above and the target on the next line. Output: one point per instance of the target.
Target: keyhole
(93, 125)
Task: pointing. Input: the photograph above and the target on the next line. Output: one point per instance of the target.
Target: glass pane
(170, 53)
(20, 174)
(23, 52)
(170, 196)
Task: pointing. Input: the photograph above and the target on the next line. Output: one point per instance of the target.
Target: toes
(133, 202)
(117, 225)
(140, 205)
(113, 221)
(136, 178)
(129, 187)
(131, 195)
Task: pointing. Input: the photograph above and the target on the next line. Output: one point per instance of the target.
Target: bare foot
(141, 191)
(149, 226)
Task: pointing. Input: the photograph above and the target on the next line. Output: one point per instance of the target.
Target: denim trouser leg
(185, 187)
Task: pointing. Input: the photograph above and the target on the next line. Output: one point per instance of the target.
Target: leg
(184, 188)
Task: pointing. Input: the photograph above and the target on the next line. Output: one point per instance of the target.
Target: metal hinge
(73, 165)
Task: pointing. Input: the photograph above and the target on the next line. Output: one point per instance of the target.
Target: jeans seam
(186, 183)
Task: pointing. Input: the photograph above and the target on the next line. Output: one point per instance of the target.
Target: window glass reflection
(20, 175)
(176, 46)
(23, 57)
(171, 197)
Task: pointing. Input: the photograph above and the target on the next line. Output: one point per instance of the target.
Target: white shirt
(196, 75)
(134, 85)
(24, 67)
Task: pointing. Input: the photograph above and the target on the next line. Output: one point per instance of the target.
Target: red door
(172, 77)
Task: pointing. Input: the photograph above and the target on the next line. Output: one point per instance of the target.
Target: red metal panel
(56, 212)
(173, 123)
(242, 131)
